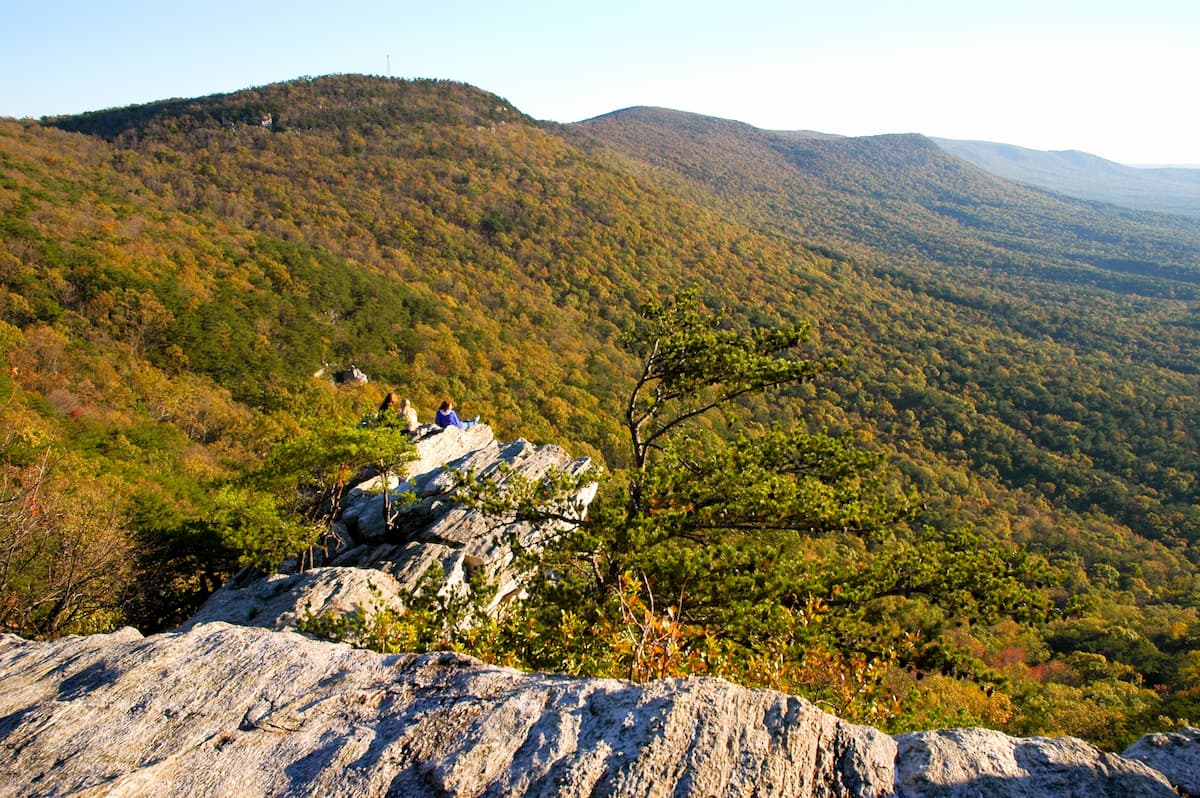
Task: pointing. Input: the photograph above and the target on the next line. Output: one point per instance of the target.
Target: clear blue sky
(1117, 79)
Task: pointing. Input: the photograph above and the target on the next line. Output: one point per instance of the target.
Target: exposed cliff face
(234, 703)
(374, 563)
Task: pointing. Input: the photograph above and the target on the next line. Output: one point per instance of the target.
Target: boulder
(1175, 754)
(279, 601)
(967, 763)
(353, 375)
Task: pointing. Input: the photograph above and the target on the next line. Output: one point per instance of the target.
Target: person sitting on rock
(408, 414)
(382, 413)
(446, 417)
(389, 402)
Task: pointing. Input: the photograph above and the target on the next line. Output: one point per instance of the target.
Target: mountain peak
(328, 102)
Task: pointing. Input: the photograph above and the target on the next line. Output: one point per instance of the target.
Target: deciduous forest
(1013, 371)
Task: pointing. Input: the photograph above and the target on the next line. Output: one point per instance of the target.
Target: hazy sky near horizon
(1115, 79)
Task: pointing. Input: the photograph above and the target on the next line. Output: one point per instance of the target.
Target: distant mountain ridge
(901, 196)
(1079, 174)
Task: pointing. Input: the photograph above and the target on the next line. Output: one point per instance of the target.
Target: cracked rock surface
(224, 710)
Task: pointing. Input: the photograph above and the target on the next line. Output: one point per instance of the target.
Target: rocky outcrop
(236, 703)
(374, 561)
(222, 710)
(280, 601)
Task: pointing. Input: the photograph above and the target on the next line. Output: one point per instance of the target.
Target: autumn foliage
(1018, 364)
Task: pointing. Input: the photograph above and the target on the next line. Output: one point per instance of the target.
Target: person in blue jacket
(446, 417)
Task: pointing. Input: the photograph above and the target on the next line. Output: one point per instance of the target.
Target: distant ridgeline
(1077, 174)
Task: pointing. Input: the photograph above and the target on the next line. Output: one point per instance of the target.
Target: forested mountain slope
(1078, 174)
(174, 289)
(905, 198)
(523, 238)
(1030, 322)
(173, 273)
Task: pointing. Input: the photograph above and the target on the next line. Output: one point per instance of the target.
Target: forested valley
(1020, 366)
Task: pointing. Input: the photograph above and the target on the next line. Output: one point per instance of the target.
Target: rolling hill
(1078, 174)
